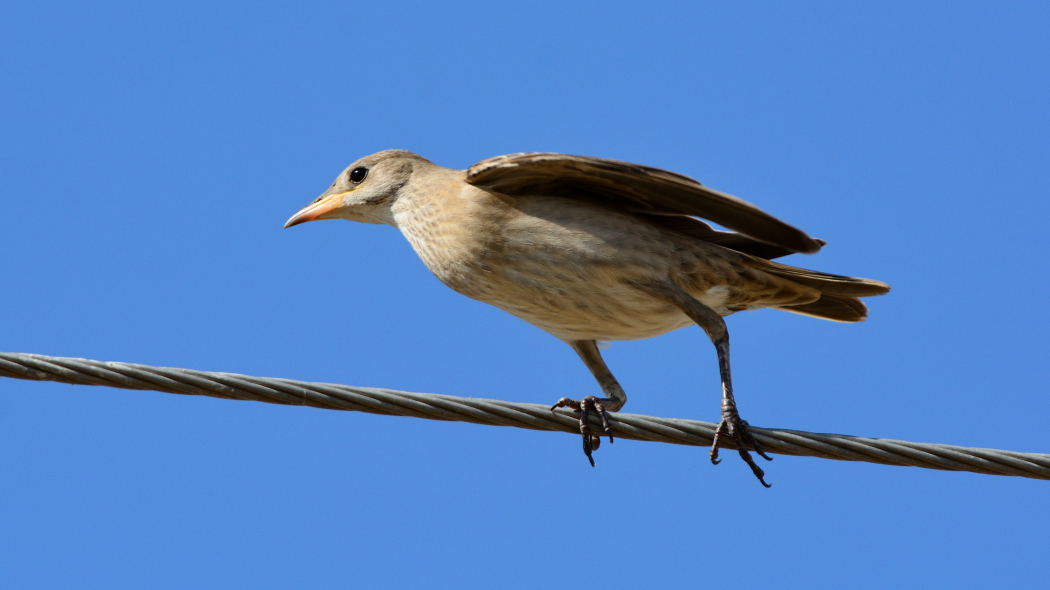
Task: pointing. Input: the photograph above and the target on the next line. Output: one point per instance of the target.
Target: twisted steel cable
(500, 413)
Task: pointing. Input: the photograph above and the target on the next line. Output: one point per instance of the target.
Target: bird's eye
(358, 174)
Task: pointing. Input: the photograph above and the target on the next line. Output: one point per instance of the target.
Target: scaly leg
(731, 425)
(614, 400)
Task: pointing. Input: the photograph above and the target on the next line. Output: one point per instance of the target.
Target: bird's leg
(731, 425)
(614, 400)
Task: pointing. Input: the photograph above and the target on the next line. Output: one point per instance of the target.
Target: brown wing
(694, 228)
(640, 189)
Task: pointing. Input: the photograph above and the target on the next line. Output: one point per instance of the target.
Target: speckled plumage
(570, 268)
(589, 249)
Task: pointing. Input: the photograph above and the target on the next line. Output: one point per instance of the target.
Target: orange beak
(316, 210)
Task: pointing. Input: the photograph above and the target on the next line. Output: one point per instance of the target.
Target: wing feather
(636, 188)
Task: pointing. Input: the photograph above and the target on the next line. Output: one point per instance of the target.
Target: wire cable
(501, 413)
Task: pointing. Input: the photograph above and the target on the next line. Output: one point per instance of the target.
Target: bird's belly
(569, 304)
(598, 318)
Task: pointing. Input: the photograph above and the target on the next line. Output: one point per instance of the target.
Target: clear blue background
(150, 154)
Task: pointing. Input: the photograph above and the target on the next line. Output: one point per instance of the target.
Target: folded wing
(657, 194)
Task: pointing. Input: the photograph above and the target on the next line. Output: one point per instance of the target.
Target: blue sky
(149, 155)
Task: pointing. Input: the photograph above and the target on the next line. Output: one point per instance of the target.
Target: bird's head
(365, 191)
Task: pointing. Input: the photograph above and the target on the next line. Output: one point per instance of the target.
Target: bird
(593, 250)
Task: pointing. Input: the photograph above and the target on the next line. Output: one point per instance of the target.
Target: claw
(600, 409)
(591, 442)
(716, 441)
(566, 403)
(740, 432)
(753, 442)
(754, 467)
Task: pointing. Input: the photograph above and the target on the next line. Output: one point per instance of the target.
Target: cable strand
(430, 406)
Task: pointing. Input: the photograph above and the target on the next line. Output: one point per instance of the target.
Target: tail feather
(829, 284)
(839, 295)
(832, 307)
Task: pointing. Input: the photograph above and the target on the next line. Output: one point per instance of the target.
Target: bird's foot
(591, 441)
(733, 427)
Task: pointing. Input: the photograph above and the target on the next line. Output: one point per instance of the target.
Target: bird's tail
(832, 307)
(839, 295)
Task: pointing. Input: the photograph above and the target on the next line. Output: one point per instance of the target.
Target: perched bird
(589, 249)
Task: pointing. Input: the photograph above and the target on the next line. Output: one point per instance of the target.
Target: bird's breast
(564, 267)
